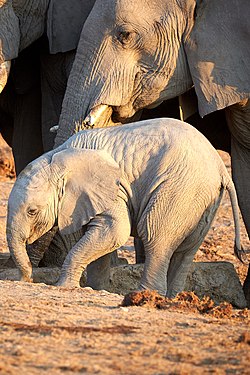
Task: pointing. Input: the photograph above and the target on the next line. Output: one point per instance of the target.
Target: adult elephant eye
(124, 37)
(32, 211)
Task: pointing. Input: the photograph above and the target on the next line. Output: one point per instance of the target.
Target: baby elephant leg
(161, 235)
(104, 234)
(155, 268)
(164, 229)
(182, 258)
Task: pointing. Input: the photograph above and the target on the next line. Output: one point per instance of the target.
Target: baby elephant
(158, 180)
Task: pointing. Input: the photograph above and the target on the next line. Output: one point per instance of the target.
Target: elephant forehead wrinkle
(136, 12)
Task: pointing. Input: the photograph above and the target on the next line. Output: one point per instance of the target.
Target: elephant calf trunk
(20, 257)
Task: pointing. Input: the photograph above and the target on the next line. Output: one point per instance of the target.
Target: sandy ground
(46, 329)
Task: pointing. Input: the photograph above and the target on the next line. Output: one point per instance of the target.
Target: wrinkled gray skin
(30, 103)
(133, 55)
(159, 180)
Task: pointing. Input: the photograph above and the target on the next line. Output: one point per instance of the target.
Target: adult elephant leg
(7, 104)
(6, 127)
(25, 76)
(238, 118)
(139, 250)
(27, 139)
(55, 71)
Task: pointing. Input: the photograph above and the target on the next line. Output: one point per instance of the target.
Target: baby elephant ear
(91, 181)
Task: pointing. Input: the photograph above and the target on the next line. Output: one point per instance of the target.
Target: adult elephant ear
(89, 183)
(218, 53)
(64, 23)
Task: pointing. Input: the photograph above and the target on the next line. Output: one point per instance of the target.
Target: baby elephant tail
(238, 251)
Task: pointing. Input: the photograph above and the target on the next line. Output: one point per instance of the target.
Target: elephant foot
(67, 283)
(27, 279)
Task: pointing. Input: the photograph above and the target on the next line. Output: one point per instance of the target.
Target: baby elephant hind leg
(155, 268)
(168, 250)
(183, 256)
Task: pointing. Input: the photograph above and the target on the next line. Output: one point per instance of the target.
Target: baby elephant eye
(32, 211)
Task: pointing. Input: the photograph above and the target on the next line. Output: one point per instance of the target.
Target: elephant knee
(121, 233)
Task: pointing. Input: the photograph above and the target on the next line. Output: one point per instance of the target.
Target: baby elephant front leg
(104, 234)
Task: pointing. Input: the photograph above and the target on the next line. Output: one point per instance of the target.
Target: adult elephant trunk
(98, 83)
(17, 247)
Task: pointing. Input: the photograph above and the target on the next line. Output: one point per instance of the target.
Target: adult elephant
(133, 55)
(39, 38)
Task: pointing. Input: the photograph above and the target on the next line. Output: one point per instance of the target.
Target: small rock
(218, 280)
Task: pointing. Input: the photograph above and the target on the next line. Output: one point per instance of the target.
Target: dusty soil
(46, 329)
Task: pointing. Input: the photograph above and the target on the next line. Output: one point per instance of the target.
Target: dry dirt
(46, 329)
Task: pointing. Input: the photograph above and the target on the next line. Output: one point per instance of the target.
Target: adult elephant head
(133, 55)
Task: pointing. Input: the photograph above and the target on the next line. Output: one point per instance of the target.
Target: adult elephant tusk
(4, 74)
(96, 114)
(54, 128)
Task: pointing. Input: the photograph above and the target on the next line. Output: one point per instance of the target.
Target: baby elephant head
(69, 188)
